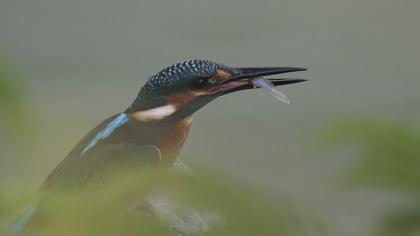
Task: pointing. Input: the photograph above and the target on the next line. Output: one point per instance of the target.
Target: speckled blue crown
(177, 75)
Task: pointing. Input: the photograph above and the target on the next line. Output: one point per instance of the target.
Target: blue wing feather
(20, 224)
(104, 133)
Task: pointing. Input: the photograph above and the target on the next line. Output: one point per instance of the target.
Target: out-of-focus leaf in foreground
(119, 209)
(391, 153)
(390, 159)
(13, 114)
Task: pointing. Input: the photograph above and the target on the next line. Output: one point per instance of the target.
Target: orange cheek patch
(222, 74)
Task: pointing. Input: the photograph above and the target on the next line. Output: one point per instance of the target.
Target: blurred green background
(70, 64)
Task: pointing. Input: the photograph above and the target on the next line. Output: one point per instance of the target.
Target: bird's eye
(212, 80)
(200, 83)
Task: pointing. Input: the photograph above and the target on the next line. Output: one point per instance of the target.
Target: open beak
(242, 79)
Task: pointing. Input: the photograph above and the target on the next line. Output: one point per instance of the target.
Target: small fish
(269, 88)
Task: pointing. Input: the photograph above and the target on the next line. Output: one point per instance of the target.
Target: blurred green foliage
(117, 209)
(390, 159)
(14, 117)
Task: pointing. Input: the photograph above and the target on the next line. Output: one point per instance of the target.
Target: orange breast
(173, 139)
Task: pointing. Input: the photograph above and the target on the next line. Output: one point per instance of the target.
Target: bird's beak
(242, 78)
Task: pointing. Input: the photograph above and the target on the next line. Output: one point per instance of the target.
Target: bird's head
(181, 89)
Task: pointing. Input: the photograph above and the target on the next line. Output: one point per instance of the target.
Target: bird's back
(131, 144)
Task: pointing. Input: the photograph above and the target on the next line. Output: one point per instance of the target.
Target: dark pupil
(200, 83)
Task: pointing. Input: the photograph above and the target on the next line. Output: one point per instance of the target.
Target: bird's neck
(173, 120)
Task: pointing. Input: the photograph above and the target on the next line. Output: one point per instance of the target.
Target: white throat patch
(154, 114)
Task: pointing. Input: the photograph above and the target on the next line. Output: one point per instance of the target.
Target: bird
(152, 130)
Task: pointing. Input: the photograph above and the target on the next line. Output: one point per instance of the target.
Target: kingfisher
(153, 129)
